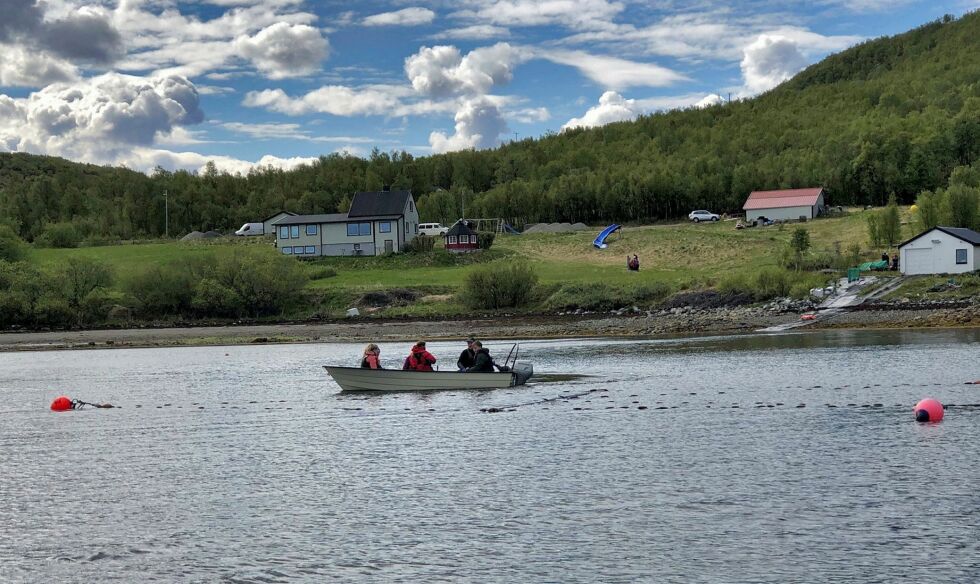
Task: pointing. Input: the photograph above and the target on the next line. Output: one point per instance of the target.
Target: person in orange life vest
(419, 359)
(371, 358)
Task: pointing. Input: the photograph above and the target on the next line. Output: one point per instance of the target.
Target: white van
(251, 229)
(433, 229)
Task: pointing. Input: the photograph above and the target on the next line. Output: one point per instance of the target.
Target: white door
(917, 261)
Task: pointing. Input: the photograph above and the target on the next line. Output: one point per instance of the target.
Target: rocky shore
(624, 322)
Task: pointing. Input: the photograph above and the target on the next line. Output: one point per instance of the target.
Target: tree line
(890, 117)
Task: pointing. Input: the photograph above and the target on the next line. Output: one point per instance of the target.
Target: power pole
(166, 214)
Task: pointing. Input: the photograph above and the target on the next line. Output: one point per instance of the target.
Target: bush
(80, 276)
(254, 281)
(320, 272)
(215, 299)
(500, 285)
(422, 244)
(162, 290)
(484, 239)
(12, 248)
(771, 283)
(603, 296)
(61, 235)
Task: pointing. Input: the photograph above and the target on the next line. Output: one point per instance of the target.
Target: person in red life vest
(371, 358)
(419, 359)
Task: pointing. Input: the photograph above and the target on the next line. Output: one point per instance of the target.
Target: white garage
(941, 250)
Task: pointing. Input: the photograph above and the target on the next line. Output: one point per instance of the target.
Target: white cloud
(405, 17)
(441, 70)
(478, 125)
(612, 107)
(529, 115)
(710, 100)
(574, 14)
(20, 67)
(768, 61)
(613, 72)
(146, 159)
(336, 100)
(98, 119)
(284, 50)
(474, 32)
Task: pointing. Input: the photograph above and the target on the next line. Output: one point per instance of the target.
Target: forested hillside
(890, 116)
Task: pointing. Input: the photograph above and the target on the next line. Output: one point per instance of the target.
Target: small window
(298, 250)
(311, 249)
(311, 229)
(452, 239)
(384, 227)
(410, 207)
(364, 228)
(416, 229)
(464, 238)
(351, 229)
(357, 247)
(961, 256)
(284, 232)
(294, 231)
(287, 250)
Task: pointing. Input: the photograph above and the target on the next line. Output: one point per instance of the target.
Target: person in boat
(371, 359)
(468, 357)
(483, 362)
(419, 359)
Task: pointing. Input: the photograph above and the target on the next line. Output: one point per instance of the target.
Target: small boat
(386, 380)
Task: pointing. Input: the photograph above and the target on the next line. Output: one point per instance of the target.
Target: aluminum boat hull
(390, 380)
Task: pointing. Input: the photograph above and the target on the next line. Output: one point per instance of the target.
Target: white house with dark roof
(784, 204)
(941, 250)
(377, 223)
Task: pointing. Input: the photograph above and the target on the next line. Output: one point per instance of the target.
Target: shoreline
(693, 322)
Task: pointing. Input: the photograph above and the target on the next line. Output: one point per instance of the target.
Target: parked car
(433, 229)
(702, 215)
(251, 229)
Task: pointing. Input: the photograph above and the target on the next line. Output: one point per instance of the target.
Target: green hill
(892, 115)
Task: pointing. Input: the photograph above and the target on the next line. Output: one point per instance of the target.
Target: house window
(357, 246)
(961, 256)
(410, 207)
(311, 229)
(298, 250)
(354, 229)
(416, 228)
(283, 232)
(311, 249)
(384, 227)
(287, 250)
(464, 238)
(294, 231)
(452, 239)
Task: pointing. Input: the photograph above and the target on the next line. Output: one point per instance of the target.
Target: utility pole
(166, 214)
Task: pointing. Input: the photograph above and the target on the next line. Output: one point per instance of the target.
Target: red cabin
(461, 238)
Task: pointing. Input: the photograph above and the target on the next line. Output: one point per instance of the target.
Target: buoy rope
(497, 409)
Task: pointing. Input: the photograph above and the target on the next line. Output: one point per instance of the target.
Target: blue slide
(511, 230)
(600, 241)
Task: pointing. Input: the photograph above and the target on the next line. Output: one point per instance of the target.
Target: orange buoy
(928, 410)
(61, 404)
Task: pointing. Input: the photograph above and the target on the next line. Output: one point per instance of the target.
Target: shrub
(162, 290)
(262, 282)
(320, 272)
(79, 277)
(484, 239)
(422, 244)
(771, 283)
(603, 296)
(500, 285)
(12, 248)
(62, 235)
(215, 299)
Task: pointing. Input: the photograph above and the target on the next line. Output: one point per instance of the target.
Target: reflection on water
(767, 458)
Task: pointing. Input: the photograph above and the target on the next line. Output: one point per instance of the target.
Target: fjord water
(245, 464)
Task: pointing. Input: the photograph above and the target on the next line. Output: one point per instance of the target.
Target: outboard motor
(522, 370)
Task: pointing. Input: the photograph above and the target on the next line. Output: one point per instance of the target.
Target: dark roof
(460, 228)
(310, 219)
(275, 214)
(379, 203)
(967, 235)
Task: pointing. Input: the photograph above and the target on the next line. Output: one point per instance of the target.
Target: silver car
(702, 215)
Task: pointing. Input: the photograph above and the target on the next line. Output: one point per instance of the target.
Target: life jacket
(420, 360)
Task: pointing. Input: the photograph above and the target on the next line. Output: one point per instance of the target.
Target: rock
(352, 312)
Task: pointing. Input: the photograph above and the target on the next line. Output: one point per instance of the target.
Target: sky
(178, 83)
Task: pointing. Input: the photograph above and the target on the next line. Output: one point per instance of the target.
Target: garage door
(918, 261)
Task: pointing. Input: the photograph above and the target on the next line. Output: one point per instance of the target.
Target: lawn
(677, 254)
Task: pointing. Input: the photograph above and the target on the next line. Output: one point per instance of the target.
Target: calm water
(244, 464)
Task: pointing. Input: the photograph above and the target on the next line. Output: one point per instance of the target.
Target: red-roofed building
(784, 204)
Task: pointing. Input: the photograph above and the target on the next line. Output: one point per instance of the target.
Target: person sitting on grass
(419, 359)
(371, 357)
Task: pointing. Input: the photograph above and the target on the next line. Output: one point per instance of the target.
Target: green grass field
(681, 255)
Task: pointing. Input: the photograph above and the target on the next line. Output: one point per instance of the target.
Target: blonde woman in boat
(372, 357)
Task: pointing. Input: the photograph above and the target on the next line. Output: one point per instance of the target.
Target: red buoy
(928, 410)
(61, 404)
